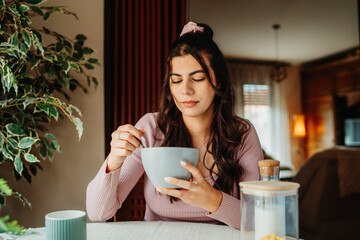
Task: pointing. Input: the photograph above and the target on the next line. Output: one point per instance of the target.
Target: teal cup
(65, 225)
(161, 162)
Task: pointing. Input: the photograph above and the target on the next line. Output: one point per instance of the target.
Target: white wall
(62, 183)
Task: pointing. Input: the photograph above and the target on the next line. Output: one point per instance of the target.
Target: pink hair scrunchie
(191, 27)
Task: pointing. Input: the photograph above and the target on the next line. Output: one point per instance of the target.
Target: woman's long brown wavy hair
(226, 129)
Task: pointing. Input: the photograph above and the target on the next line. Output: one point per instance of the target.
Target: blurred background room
(295, 66)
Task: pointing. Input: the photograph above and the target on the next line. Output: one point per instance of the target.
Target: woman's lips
(189, 104)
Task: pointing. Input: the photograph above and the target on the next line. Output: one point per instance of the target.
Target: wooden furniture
(328, 201)
(133, 208)
(328, 88)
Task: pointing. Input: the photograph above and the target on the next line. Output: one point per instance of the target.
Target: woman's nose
(187, 88)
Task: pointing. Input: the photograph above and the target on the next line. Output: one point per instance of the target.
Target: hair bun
(207, 30)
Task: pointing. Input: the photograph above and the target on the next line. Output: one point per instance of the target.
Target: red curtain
(143, 30)
(137, 38)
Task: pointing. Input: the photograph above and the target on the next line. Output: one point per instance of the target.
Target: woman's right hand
(123, 142)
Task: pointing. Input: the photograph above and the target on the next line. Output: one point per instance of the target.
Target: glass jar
(269, 170)
(269, 208)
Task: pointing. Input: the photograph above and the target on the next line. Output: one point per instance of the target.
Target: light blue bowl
(161, 162)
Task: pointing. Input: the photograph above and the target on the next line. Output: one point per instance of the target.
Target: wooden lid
(269, 163)
(266, 167)
(270, 185)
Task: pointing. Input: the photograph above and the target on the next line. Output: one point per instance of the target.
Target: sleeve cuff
(107, 171)
(228, 211)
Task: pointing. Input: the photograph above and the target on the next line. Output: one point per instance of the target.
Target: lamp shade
(299, 125)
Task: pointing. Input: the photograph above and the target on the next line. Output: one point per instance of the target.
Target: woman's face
(190, 88)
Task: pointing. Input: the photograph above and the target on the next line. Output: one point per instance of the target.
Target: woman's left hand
(197, 192)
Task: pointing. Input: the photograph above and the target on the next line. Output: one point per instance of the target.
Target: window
(257, 110)
(262, 101)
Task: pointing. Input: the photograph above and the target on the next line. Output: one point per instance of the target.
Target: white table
(145, 230)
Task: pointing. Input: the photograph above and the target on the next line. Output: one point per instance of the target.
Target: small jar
(269, 210)
(269, 170)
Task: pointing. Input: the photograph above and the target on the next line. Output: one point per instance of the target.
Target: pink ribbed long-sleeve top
(107, 191)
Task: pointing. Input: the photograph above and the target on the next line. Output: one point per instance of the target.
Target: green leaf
(6, 153)
(89, 66)
(31, 158)
(66, 81)
(37, 10)
(13, 10)
(47, 31)
(18, 164)
(11, 53)
(29, 101)
(33, 169)
(26, 174)
(23, 8)
(47, 143)
(76, 109)
(37, 42)
(11, 227)
(27, 142)
(49, 58)
(12, 146)
(23, 49)
(53, 112)
(46, 16)
(34, 62)
(19, 119)
(34, 2)
(43, 152)
(27, 89)
(81, 37)
(67, 43)
(13, 40)
(14, 129)
(2, 3)
(57, 9)
(4, 188)
(88, 50)
(95, 61)
(65, 66)
(4, 102)
(50, 154)
(1, 138)
(95, 81)
(22, 198)
(53, 139)
(69, 110)
(8, 79)
(27, 38)
(59, 46)
(25, 20)
(74, 66)
(79, 126)
(42, 107)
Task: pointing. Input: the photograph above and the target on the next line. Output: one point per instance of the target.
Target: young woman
(196, 110)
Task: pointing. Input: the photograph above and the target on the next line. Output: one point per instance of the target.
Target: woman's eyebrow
(195, 72)
(192, 73)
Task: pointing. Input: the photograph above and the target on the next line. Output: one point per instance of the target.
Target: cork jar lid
(267, 167)
(269, 163)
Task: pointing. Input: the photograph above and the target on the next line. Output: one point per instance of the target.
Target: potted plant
(36, 80)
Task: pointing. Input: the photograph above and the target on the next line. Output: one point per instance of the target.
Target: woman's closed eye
(198, 79)
(176, 80)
